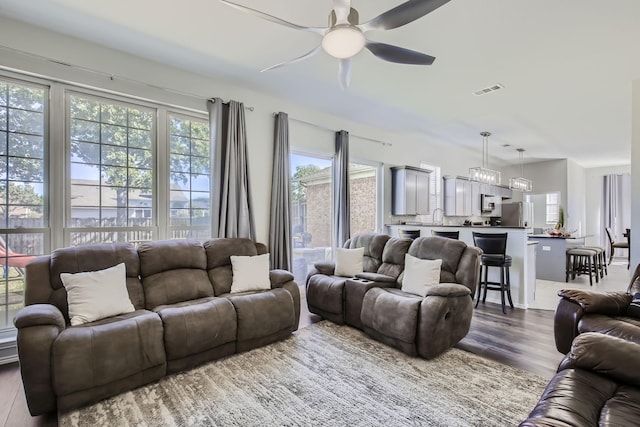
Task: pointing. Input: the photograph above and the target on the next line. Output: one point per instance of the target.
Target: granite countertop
(455, 226)
(546, 236)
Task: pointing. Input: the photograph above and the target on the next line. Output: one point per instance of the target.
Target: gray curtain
(616, 206)
(280, 220)
(341, 188)
(231, 210)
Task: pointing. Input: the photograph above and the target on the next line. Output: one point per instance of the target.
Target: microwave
(487, 203)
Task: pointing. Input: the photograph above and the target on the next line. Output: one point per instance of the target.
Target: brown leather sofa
(184, 316)
(581, 311)
(597, 383)
(373, 301)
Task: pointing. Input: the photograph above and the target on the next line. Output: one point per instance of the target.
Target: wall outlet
(546, 248)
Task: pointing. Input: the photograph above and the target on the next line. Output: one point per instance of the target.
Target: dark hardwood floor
(521, 338)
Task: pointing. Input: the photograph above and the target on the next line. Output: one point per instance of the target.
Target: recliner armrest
(279, 277)
(39, 315)
(325, 267)
(376, 277)
(448, 290)
(609, 303)
(606, 355)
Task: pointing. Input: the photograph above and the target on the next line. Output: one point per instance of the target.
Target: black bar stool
(448, 234)
(494, 248)
(411, 234)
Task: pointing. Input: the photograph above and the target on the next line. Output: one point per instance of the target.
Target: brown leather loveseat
(184, 316)
(598, 382)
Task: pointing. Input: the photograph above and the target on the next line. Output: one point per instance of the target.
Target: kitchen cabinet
(458, 197)
(410, 190)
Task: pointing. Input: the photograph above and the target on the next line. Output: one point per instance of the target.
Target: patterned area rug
(326, 375)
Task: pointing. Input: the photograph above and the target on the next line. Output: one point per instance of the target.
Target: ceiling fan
(344, 38)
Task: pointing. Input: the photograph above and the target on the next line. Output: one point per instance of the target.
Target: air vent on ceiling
(489, 89)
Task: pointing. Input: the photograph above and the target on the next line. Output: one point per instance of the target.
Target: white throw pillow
(95, 295)
(250, 273)
(420, 274)
(349, 262)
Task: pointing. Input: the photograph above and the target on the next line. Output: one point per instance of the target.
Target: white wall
(635, 175)
(408, 148)
(593, 201)
(576, 201)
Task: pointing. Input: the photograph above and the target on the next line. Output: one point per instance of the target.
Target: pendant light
(483, 173)
(521, 183)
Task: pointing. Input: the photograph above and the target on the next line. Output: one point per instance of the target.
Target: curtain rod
(226, 102)
(110, 76)
(377, 141)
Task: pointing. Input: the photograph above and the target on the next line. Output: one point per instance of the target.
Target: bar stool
(448, 234)
(494, 247)
(581, 261)
(411, 234)
(601, 257)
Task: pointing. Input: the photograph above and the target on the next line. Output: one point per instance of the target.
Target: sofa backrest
(43, 283)
(219, 252)
(373, 244)
(173, 271)
(393, 256)
(460, 263)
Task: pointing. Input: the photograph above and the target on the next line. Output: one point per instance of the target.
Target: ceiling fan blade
(397, 54)
(272, 18)
(293, 61)
(344, 73)
(402, 14)
(342, 9)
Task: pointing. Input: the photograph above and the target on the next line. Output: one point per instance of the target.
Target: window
(435, 199)
(190, 183)
(553, 208)
(111, 170)
(23, 214)
(363, 195)
(311, 184)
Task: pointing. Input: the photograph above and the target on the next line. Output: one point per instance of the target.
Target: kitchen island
(551, 259)
(523, 266)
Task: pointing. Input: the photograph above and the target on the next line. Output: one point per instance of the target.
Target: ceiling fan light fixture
(343, 41)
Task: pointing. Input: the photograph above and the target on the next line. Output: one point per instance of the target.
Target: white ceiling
(566, 65)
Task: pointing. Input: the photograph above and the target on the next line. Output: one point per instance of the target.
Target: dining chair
(613, 244)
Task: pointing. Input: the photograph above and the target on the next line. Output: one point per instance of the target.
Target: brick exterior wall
(363, 209)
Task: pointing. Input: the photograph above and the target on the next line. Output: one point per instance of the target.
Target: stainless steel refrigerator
(517, 214)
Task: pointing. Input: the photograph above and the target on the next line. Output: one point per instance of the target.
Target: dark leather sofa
(598, 382)
(184, 316)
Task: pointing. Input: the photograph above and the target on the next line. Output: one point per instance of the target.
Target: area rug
(326, 375)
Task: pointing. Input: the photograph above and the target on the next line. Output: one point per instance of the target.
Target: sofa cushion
(95, 295)
(101, 352)
(627, 328)
(173, 271)
(250, 273)
(392, 313)
(218, 253)
(78, 259)
(393, 257)
(449, 250)
(263, 317)
(195, 326)
(373, 244)
(420, 274)
(349, 262)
